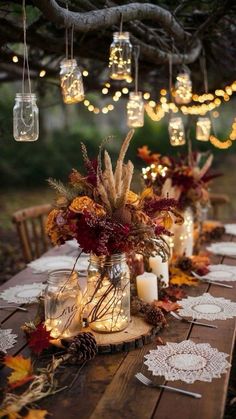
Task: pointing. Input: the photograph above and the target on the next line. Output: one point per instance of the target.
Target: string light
(176, 131)
(203, 129)
(120, 56)
(85, 73)
(183, 89)
(225, 143)
(42, 73)
(15, 59)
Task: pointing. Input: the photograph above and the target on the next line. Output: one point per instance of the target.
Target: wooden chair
(30, 225)
(217, 201)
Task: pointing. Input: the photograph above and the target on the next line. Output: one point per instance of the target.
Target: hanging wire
(206, 87)
(72, 42)
(66, 31)
(25, 54)
(136, 58)
(170, 76)
(121, 22)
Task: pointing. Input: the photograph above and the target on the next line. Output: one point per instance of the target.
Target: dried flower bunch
(102, 213)
(185, 178)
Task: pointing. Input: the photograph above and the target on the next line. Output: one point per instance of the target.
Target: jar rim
(121, 35)
(137, 94)
(53, 274)
(28, 96)
(108, 260)
(68, 62)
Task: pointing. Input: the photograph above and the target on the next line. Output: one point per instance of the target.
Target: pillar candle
(160, 269)
(147, 287)
(183, 235)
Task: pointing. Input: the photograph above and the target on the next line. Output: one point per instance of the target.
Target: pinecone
(2, 356)
(155, 316)
(138, 306)
(82, 348)
(184, 263)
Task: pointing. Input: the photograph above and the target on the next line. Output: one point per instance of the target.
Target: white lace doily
(207, 307)
(7, 339)
(223, 248)
(187, 361)
(22, 294)
(221, 273)
(230, 229)
(49, 263)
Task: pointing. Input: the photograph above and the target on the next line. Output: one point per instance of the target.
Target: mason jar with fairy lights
(63, 304)
(176, 131)
(120, 56)
(135, 110)
(183, 88)
(108, 293)
(71, 81)
(203, 129)
(25, 117)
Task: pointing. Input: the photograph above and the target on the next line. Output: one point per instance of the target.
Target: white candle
(160, 269)
(183, 235)
(147, 287)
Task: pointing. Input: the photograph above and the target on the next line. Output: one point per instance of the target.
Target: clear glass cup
(25, 117)
(63, 304)
(71, 82)
(120, 56)
(108, 293)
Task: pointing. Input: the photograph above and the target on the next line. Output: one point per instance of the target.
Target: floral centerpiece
(185, 178)
(109, 221)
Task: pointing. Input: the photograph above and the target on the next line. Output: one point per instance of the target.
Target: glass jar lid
(68, 63)
(62, 276)
(26, 96)
(121, 36)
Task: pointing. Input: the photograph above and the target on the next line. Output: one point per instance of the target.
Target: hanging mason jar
(25, 117)
(63, 304)
(135, 110)
(108, 293)
(71, 82)
(203, 129)
(176, 131)
(183, 89)
(183, 238)
(120, 56)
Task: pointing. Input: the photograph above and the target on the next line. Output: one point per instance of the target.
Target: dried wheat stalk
(120, 161)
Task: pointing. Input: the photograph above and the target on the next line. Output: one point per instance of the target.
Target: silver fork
(183, 319)
(143, 379)
(209, 281)
(6, 307)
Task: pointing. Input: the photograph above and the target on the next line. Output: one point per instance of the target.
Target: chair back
(30, 225)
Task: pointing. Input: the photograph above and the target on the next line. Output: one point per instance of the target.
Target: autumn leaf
(39, 339)
(167, 305)
(175, 293)
(179, 277)
(36, 414)
(10, 415)
(22, 370)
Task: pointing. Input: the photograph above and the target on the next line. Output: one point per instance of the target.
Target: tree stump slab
(136, 335)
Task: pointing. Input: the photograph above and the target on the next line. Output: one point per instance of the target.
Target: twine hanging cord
(136, 58)
(26, 65)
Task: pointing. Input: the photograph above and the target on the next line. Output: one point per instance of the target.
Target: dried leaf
(160, 341)
(167, 305)
(36, 414)
(179, 277)
(22, 370)
(175, 293)
(39, 339)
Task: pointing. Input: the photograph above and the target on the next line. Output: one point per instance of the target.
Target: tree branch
(102, 18)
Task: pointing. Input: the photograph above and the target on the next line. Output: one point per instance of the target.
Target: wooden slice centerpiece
(137, 334)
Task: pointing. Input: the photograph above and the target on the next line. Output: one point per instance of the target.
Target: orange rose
(132, 198)
(51, 220)
(82, 204)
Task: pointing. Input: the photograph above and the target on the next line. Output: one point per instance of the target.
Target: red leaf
(39, 339)
(175, 293)
(167, 305)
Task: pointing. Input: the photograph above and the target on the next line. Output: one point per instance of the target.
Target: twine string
(136, 59)
(25, 68)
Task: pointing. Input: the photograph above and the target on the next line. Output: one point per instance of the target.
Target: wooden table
(106, 387)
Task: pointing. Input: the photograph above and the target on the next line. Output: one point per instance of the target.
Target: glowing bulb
(125, 90)
(91, 108)
(42, 73)
(15, 59)
(104, 91)
(86, 102)
(85, 73)
(146, 96)
(104, 110)
(110, 107)
(152, 103)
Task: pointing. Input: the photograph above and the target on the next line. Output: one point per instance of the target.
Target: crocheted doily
(230, 229)
(49, 263)
(207, 307)
(187, 361)
(22, 294)
(7, 339)
(223, 248)
(221, 273)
